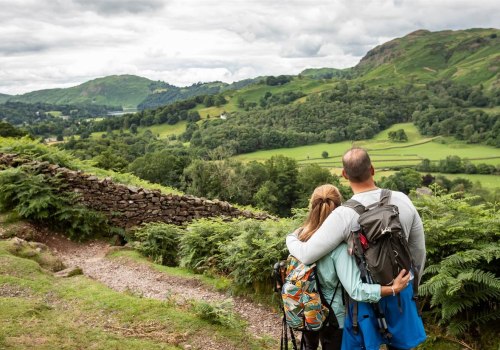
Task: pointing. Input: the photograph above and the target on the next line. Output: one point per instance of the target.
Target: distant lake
(125, 111)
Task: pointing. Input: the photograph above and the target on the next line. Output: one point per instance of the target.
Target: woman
(335, 266)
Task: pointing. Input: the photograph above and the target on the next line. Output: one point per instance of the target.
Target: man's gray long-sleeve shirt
(343, 220)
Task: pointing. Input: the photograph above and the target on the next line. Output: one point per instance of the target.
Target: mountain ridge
(470, 56)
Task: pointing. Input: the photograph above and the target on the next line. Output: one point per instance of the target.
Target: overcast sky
(62, 43)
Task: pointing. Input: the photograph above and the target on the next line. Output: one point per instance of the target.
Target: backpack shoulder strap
(355, 205)
(385, 196)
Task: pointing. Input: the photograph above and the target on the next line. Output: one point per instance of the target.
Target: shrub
(38, 197)
(462, 281)
(159, 241)
(200, 245)
(251, 254)
(217, 313)
(34, 150)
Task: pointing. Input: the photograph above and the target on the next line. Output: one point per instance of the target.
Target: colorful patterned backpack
(303, 305)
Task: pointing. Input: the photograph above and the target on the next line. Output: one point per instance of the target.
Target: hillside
(4, 97)
(115, 90)
(326, 73)
(128, 91)
(470, 57)
(173, 93)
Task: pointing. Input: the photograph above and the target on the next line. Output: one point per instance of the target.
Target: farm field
(386, 154)
(162, 131)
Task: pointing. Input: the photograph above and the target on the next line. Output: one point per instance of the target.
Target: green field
(162, 130)
(386, 154)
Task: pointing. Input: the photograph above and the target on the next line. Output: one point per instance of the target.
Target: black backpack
(380, 246)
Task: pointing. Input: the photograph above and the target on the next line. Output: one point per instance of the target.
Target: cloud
(53, 43)
(112, 7)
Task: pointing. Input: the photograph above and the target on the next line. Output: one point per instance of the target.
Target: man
(359, 171)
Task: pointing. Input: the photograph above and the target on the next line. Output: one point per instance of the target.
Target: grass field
(386, 154)
(162, 131)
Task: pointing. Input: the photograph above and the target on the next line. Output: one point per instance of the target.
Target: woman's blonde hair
(324, 199)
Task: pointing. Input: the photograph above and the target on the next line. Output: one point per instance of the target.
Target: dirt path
(122, 274)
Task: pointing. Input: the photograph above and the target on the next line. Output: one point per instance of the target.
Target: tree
(404, 181)
(241, 102)
(161, 167)
(220, 100)
(398, 136)
(110, 160)
(133, 129)
(7, 130)
(208, 101)
(281, 188)
(324, 154)
(310, 177)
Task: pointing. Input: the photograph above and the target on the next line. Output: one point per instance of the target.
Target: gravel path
(122, 274)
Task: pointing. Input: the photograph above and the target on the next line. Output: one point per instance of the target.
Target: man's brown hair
(357, 164)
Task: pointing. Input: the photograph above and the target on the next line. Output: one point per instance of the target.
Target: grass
(161, 131)
(40, 311)
(386, 155)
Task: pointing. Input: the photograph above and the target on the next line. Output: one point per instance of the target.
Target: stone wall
(128, 206)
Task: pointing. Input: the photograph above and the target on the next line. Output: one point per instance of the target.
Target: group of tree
(453, 110)
(456, 165)
(398, 136)
(29, 114)
(407, 180)
(8, 130)
(340, 114)
(279, 80)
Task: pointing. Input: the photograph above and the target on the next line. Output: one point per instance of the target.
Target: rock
(69, 272)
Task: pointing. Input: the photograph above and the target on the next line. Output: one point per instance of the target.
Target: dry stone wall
(128, 206)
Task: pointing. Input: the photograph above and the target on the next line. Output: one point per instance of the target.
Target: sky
(62, 43)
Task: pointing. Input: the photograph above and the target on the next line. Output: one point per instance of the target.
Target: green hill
(173, 93)
(4, 98)
(115, 90)
(470, 57)
(128, 91)
(326, 73)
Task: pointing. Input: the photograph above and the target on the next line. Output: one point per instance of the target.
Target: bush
(251, 254)
(38, 197)
(159, 241)
(217, 313)
(34, 150)
(462, 281)
(200, 245)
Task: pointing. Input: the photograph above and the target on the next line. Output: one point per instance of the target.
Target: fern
(158, 241)
(39, 197)
(462, 282)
